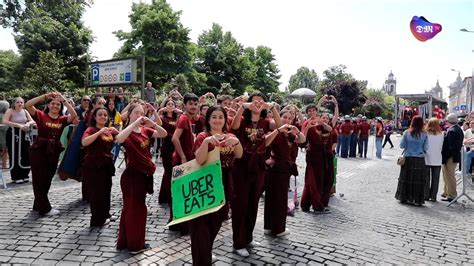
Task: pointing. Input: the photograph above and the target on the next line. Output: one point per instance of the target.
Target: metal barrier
(465, 179)
(30, 135)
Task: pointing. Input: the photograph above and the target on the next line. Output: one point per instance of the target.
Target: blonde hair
(433, 126)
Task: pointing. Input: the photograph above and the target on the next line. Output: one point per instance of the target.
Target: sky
(370, 37)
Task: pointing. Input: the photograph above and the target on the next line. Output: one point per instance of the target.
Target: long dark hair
(113, 112)
(94, 101)
(248, 114)
(416, 126)
(46, 109)
(208, 117)
(93, 120)
(175, 115)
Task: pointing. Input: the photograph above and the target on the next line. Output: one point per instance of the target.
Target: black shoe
(448, 199)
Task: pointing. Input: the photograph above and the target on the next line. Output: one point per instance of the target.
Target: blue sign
(463, 107)
(128, 76)
(456, 108)
(95, 74)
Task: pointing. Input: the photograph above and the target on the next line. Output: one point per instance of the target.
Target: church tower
(390, 86)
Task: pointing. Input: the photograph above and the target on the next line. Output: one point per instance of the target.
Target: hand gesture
(295, 130)
(212, 140)
(231, 141)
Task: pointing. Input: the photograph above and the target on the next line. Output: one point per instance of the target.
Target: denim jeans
(378, 147)
(346, 139)
(363, 144)
(338, 147)
(467, 163)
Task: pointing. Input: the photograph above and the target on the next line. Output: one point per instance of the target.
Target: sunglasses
(86, 100)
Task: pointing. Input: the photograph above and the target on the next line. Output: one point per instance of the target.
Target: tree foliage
(9, 63)
(157, 34)
(303, 78)
(44, 26)
(348, 91)
(378, 104)
(47, 74)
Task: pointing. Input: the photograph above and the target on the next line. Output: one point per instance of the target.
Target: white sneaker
(214, 258)
(107, 221)
(254, 244)
(242, 252)
(284, 233)
(267, 231)
(52, 212)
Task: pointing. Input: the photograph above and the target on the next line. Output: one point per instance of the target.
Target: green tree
(47, 74)
(304, 78)
(157, 34)
(9, 63)
(46, 26)
(263, 72)
(348, 91)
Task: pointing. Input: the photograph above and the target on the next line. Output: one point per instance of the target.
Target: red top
(377, 128)
(187, 138)
(200, 125)
(284, 148)
(355, 128)
(49, 128)
(169, 125)
(101, 147)
(346, 128)
(320, 140)
(137, 146)
(261, 127)
(364, 129)
(226, 152)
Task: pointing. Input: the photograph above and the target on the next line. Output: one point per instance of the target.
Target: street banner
(197, 190)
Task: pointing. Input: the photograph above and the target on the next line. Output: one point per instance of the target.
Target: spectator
(150, 93)
(451, 153)
(388, 133)
(83, 107)
(433, 158)
(120, 100)
(379, 133)
(4, 105)
(19, 120)
(411, 181)
(363, 137)
(469, 142)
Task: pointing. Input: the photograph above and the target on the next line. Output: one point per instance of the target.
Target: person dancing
(137, 179)
(44, 153)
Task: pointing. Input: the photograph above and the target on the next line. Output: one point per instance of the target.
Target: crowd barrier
(464, 179)
(31, 135)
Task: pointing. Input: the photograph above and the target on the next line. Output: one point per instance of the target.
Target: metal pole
(143, 78)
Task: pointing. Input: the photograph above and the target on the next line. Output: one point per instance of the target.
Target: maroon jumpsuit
(248, 176)
(204, 229)
(98, 169)
(135, 184)
(319, 176)
(44, 156)
(167, 149)
(284, 153)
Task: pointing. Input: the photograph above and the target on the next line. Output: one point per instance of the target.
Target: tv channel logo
(424, 30)
(95, 74)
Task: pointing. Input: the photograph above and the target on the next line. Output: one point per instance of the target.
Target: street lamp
(466, 30)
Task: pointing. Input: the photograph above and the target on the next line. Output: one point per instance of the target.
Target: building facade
(460, 96)
(390, 85)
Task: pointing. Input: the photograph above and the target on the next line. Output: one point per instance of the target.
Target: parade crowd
(258, 141)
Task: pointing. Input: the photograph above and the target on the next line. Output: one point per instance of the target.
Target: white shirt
(433, 153)
(468, 134)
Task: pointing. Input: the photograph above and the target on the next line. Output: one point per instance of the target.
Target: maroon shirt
(187, 138)
(243, 133)
(101, 147)
(49, 128)
(226, 152)
(137, 147)
(169, 124)
(364, 129)
(199, 125)
(346, 128)
(377, 128)
(320, 140)
(284, 148)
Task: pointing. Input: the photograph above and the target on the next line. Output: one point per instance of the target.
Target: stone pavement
(367, 225)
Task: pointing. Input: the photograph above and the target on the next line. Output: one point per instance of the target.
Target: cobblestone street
(367, 225)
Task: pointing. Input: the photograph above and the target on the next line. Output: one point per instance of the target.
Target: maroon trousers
(43, 168)
(277, 184)
(319, 179)
(248, 188)
(134, 211)
(203, 231)
(99, 182)
(165, 188)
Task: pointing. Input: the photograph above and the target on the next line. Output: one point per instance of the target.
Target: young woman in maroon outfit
(137, 179)
(98, 165)
(204, 229)
(250, 125)
(284, 145)
(169, 116)
(44, 153)
(319, 174)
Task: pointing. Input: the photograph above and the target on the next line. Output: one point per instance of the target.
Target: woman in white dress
(433, 158)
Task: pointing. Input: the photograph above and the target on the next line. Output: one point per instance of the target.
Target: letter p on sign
(95, 74)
